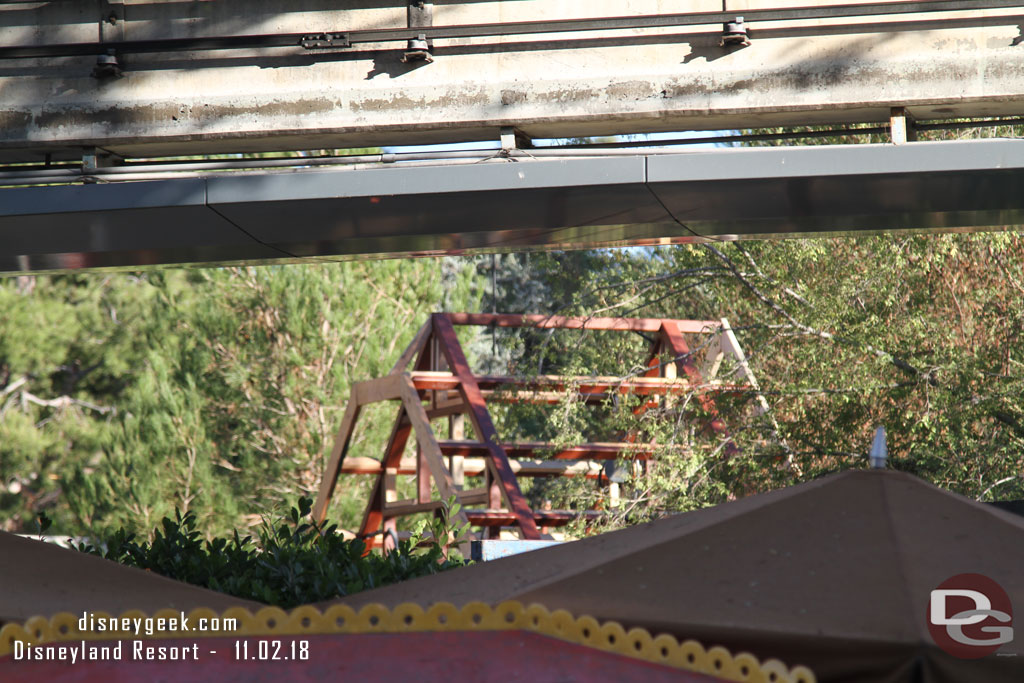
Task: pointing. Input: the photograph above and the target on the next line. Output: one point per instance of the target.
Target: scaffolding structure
(441, 385)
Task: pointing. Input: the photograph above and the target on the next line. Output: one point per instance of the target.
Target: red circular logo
(970, 616)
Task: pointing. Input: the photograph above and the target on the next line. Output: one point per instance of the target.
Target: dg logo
(970, 616)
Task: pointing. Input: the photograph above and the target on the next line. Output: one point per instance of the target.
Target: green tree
(215, 391)
(917, 333)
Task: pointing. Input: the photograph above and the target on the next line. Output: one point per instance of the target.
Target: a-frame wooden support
(440, 375)
(411, 417)
(502, 485)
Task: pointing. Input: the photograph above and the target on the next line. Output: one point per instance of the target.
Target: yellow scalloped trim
(609, 636)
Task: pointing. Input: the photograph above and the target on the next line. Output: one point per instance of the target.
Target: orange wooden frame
(441, 375)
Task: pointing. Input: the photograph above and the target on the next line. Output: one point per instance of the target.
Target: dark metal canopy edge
(515, 204)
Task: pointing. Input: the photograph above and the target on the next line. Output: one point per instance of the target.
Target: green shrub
(290, 563)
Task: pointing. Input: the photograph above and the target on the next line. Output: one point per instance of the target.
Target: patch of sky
(640, 140)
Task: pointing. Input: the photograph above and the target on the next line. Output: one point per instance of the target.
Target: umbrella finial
(879, 452)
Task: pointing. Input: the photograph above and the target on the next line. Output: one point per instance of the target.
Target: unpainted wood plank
(430, 451)
(576, 322)
(376, 390)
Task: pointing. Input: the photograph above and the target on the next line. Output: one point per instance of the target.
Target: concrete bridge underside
(201, 78)
(832, 62)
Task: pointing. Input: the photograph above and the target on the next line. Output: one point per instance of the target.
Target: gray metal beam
(424, 209)
(818, 190)
(95, 226)
(565, 203)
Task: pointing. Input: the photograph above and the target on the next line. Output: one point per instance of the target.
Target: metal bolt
(734, 33)
(107, 66)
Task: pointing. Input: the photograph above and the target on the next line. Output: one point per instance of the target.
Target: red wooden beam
(444, 333)
(373, 516)
(578, 323)
(587, 451)
(585, 385)
(475, 468)
(674, 341)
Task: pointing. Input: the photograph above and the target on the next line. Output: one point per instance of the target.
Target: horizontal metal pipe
(126, 174)
(167, 169)
(958, 125)
(501, 29)
(153, 172)
(725, 139)
(568, 152)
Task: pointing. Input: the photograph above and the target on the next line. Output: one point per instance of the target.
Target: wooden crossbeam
(498, 463)
(476, 467)
(411, 507)
(496, 518)
(386, 388)
(586, 451)
(457, 407)
(364, 465)
(644, 386)
(579, 323)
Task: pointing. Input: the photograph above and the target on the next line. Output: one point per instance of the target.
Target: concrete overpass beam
(558, 84)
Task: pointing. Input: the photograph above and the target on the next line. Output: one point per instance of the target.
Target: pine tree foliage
(217, 391)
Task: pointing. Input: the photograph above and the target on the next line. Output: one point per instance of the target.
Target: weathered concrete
(937, 65)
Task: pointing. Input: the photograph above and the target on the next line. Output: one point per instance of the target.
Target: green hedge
(287, 564)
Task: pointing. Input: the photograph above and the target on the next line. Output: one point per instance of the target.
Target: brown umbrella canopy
(42, 579)
(834, 574)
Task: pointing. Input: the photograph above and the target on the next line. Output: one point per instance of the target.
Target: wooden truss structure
(441, 385)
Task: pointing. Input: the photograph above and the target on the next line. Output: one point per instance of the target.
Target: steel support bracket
(734, 34)
(901, 126)
(95, 157)
(112, 19)
(420, 14)
(109, 64)
(513, 138)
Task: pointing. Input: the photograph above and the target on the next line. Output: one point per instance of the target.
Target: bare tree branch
(892, 358)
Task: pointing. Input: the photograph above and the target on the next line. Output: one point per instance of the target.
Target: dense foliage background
(124, 396)
(920, 334)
